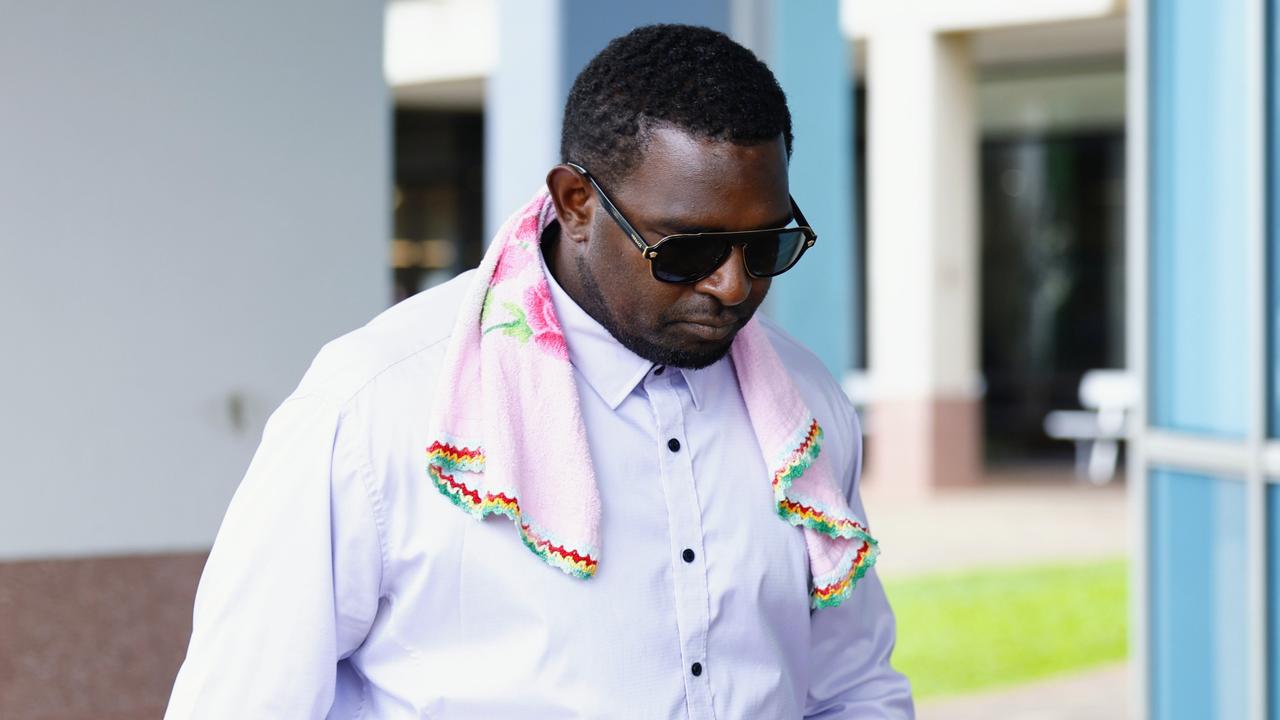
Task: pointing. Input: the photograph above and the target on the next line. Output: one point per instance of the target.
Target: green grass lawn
(982, 629)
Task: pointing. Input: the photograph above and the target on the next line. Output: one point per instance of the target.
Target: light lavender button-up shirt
(343, 585)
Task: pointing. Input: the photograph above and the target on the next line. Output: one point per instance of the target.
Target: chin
(692, 361)
(688, 355)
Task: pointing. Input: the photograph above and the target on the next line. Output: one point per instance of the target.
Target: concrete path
(1099, 694)
(1019, 517)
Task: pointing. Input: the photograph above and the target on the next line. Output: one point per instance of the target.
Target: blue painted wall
(542, 46)
(586, 26)
(815, 301)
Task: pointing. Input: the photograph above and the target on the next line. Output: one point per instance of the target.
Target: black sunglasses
(690, 257)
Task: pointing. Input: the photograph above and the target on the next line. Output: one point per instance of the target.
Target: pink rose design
(542, 321)
(513, 261)
(528, 230)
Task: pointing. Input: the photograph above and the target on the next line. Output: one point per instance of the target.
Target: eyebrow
(680, 227)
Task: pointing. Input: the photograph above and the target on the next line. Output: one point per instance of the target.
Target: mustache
(711, 312)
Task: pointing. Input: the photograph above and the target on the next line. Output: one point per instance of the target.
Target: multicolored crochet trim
(834, 593)
(443, 458)
(805, 448)
(454, 458)
(835, 587)
(798, 513)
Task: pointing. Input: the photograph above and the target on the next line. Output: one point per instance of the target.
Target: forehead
(708, 183)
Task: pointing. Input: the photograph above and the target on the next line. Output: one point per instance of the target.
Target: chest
(695, 566)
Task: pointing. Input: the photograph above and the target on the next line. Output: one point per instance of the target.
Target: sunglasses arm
(613, 211)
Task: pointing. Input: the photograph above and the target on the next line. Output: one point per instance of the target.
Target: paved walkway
(1099, 694)
(1018, 517)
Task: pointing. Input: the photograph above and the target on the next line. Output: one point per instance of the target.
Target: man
(600, 381)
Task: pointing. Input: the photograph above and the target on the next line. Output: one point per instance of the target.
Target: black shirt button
(659, 370)
(673, 445)
(687, 555)
(696, 669)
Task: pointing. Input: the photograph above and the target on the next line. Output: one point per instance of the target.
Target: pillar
(923, 321)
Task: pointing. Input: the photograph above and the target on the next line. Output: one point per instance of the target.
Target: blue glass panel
(1273, 592)
(1273, 213)
(1200, 215)
(1273, 324)
(1198, 597)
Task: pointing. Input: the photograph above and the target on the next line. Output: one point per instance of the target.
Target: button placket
(684, 513)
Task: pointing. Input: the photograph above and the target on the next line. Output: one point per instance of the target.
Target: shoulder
(804, 364)
(815, 382)
(823, 395)
(415, 331)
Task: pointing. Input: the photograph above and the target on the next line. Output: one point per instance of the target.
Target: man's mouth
(709, 329)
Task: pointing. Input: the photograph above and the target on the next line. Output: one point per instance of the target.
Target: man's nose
(730, 283)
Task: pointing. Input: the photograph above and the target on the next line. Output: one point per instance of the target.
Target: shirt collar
(610, 369)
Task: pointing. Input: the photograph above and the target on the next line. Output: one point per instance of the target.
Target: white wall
(194, 196)
(436, 41)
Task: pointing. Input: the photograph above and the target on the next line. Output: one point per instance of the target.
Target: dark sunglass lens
(681, 259)
(770, 256)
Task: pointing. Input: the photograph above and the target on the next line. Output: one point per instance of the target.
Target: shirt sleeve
(850, 674)
(291, 586)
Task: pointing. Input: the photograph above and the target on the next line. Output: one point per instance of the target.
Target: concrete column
(542, 46)
(922, 258)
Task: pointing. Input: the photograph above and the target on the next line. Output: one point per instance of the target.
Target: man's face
(683, 184)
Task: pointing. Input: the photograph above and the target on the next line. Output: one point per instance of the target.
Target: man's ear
(574, 200)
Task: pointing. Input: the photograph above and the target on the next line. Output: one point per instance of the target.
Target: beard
(594, 304)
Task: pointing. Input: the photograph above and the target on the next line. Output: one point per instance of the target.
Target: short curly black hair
(684, 76)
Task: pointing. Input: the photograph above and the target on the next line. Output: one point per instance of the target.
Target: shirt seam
(345, 399)
(344, 403)
(365, 471)
(367, 475)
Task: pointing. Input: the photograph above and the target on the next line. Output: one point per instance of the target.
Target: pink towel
(508, 401)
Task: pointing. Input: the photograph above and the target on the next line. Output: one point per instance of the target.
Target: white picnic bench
(1108, 397)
